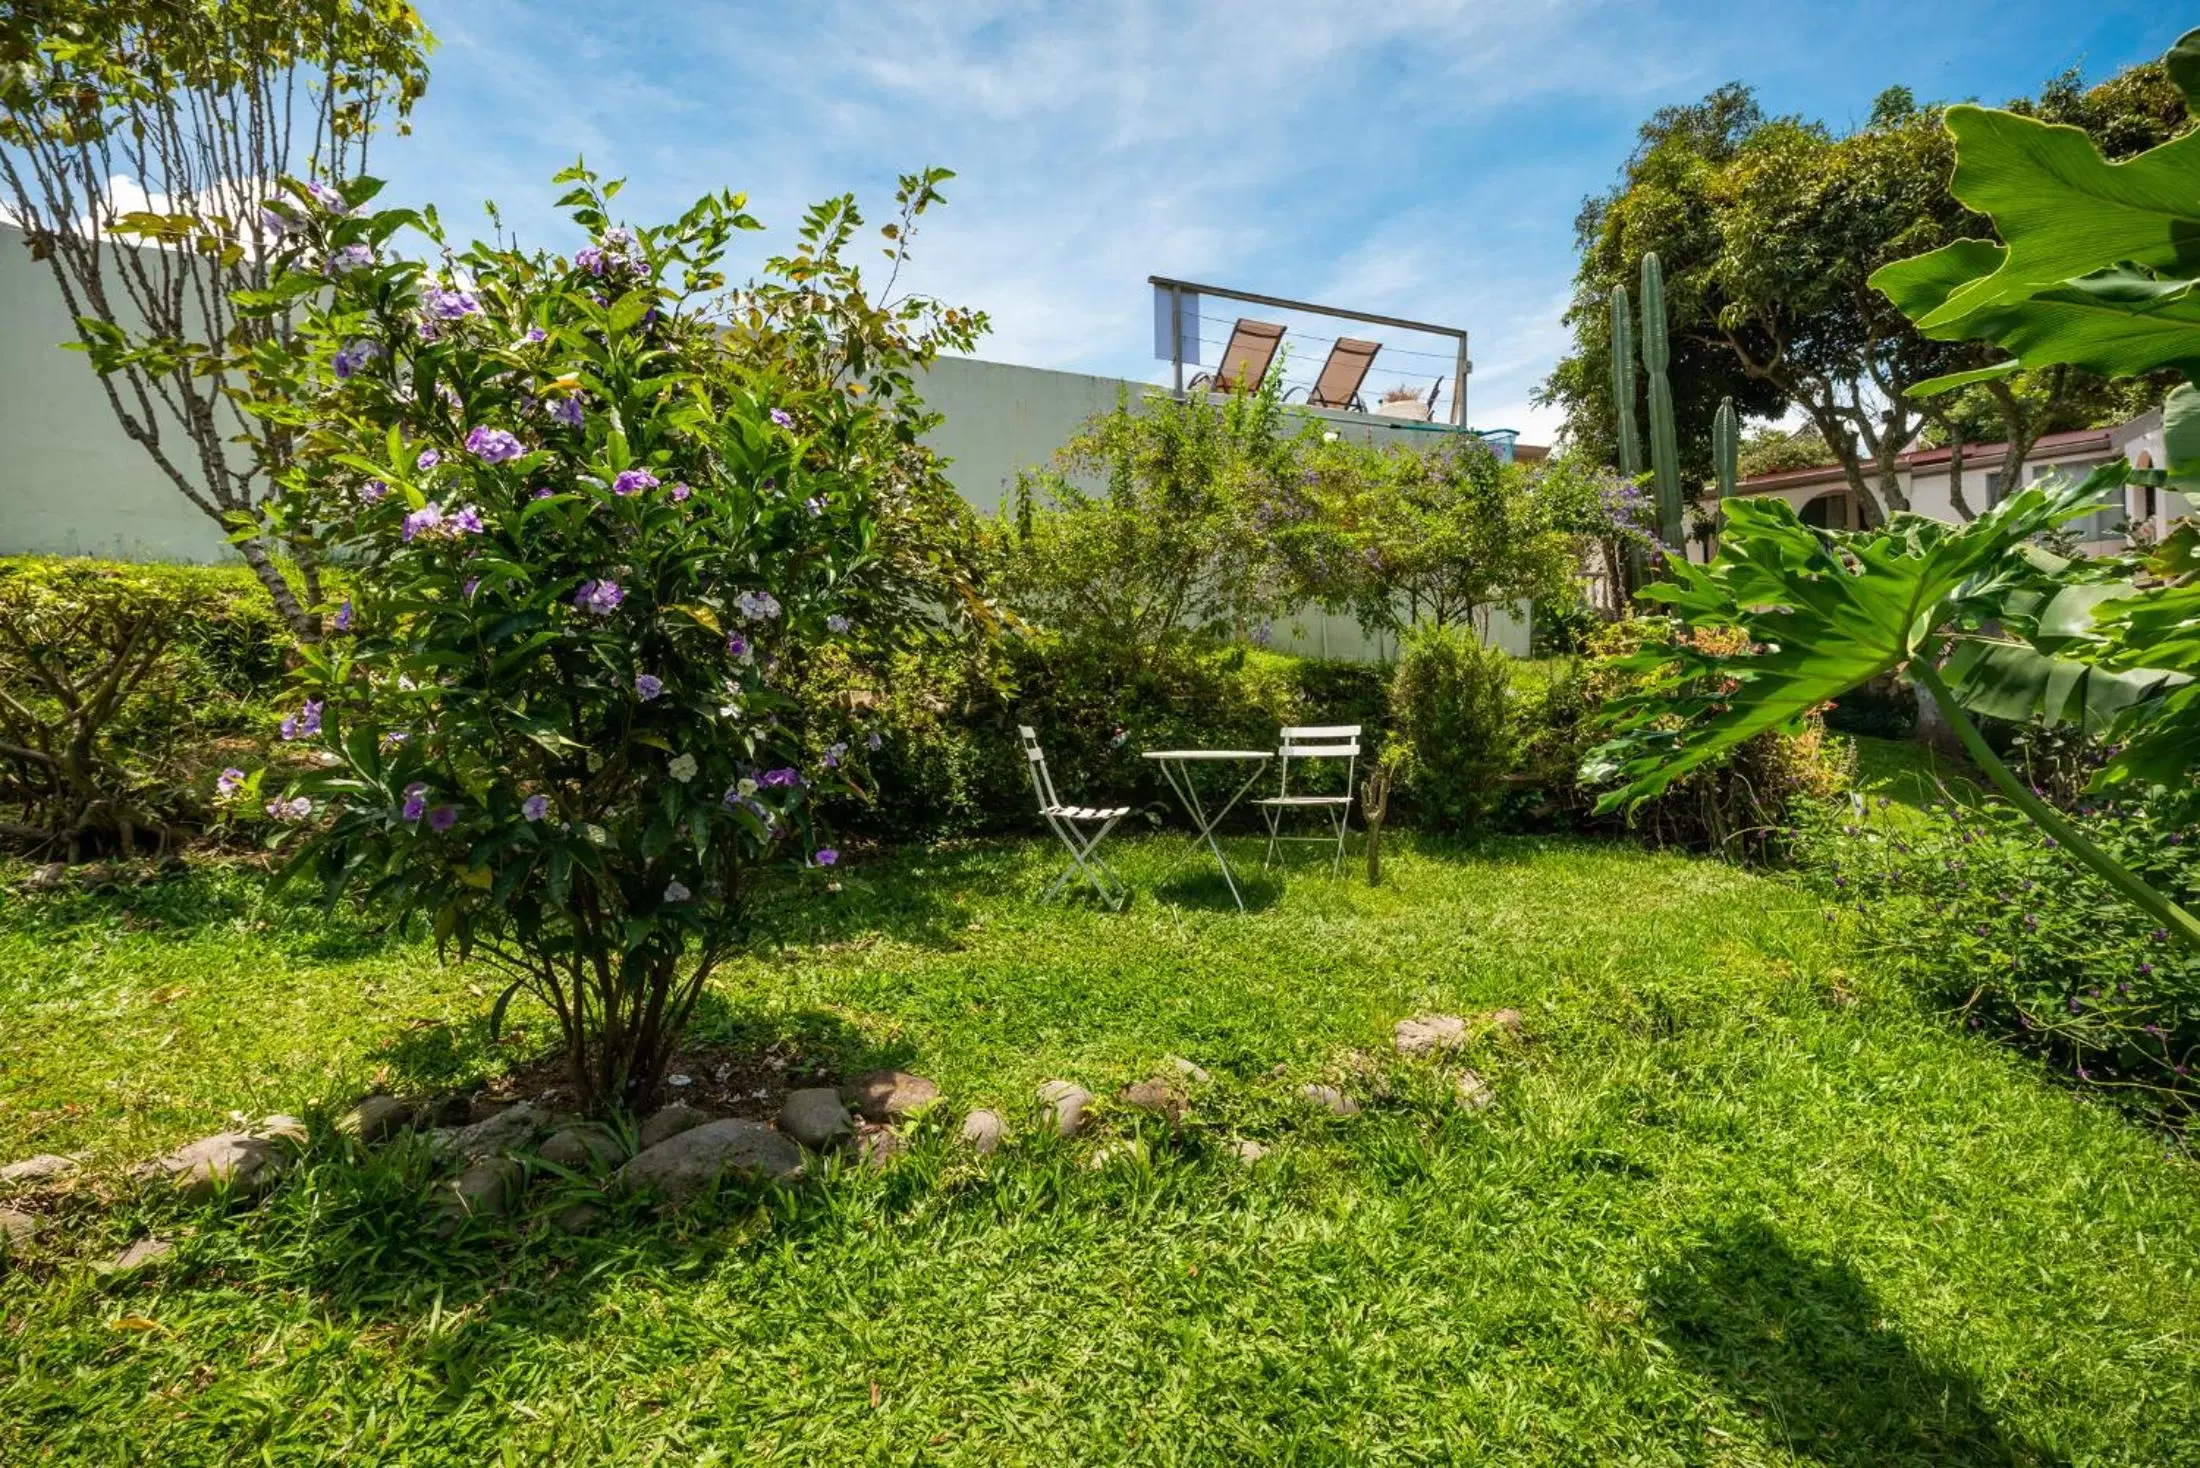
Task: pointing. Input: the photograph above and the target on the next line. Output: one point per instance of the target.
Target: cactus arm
(1664, 444)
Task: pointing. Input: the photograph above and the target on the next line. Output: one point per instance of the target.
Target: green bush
(195, 654)
(1452, 723)
(1985, 915)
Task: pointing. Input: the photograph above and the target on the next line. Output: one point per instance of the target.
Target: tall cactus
(1623, 384)
(1726, 447)
(1665, 453)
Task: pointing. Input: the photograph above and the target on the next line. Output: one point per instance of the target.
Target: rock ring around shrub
(682, 1167)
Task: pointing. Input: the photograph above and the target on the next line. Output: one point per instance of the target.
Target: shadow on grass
(1804, 1345)
(1207, 891)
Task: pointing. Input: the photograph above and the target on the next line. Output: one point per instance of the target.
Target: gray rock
(984, 1131)
(889, 1095)
(1331, 1100)
(1191, 1072)
(814, 1116)
(1247, 1150)
(1428, 1034)
(588, 1147)
(1158, 1096)
(669, 1122)
(45, 878)
(513, 1129)
(16, 1230)
(44, 1168)
(1067, 1104)
(484, 1190)
(374, 1118)
(680, 1168)
(138, 1255)
(246, 1164)
(1503, 1023)
(1473, 1092)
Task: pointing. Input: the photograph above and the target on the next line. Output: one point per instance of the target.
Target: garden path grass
(1736, 1204)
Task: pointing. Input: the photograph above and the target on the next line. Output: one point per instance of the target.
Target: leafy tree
(202, 106)
(1769, 230)
(1775, 450)
(1173, 548)
(591, 545)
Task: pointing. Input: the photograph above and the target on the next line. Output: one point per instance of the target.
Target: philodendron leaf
(1823, 612)
(2064, 210)
(2016, 682)
(2183, 65)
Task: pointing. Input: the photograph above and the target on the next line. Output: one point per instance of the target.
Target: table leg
(1187, 794)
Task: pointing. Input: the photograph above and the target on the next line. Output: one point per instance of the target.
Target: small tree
(591, 547)
(200, 106)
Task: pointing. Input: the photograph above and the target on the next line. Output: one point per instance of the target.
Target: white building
(1821, 495)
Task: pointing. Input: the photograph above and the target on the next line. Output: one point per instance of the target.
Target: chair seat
(1087, 812)
(1304, 800)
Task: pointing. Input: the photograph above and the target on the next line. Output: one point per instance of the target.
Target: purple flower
(633, 481)
(537, 334)
(296, 809)
(648, 686)
(784, 778)
(442, 818)
(680, 492)
(305, 722)
(737, 646)
(466, 522)
(230, 782)
(534, 807)
(674, 892)
(2146, 968)
(493, 445)
(273, 222)
(350, 258)
(600, 597)
(566, 410)
(324, 196)
(343, 616)
(542, 492)
(449, 304)
(782, 417)
(826, 856)
(473, 584)
(815, 504)
(429, 329)
(353, 355)
(757, 606)
(589, 258)
(372, 491)
(876, 743)
(2161, 935)
(427, 520)
(428, 459)
(416, 801)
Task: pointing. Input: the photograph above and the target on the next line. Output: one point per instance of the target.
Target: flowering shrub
(1987, 914)
(587, 546)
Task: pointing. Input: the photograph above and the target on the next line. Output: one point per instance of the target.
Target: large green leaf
(2117, 322)
(2064, 210)
(2016, 682)
(1824, 611)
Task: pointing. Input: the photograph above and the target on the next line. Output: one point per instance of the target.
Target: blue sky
(1413, 158)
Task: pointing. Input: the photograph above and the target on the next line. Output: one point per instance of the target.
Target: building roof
(1975, 455)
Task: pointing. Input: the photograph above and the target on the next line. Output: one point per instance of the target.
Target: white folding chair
(1305, 742)
(1070, 822)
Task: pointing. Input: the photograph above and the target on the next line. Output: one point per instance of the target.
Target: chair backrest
(1319, 741)
(1245, 361)
(1342, 374)
(1042, 783)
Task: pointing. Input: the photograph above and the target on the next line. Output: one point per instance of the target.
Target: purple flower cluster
(324, 196)
(757, 606)
(349, 258)
(647, 686)
(304, 723)
(566, 409)
(612, 254)
(679, 492)
(600, 597)
(297, 808)
(633, 481)
(494, 445)
(534, 807)
(355, 355)
(447, 303)
(783, 778)
(372, 491)
(416, 801)
(229, 783)
(430, 523)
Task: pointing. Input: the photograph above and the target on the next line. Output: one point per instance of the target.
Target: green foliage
(585, 542)
(122, 690)
(1982, 914)
(1170, 552)
(1776, 450)
(1451, 726)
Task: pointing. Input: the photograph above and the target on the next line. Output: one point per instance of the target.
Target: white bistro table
(1177, 766)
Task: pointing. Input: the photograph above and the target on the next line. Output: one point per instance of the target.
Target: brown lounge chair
(1342, 374)
(1245, 361)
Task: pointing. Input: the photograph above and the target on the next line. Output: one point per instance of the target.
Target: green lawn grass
(1736, 1203)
